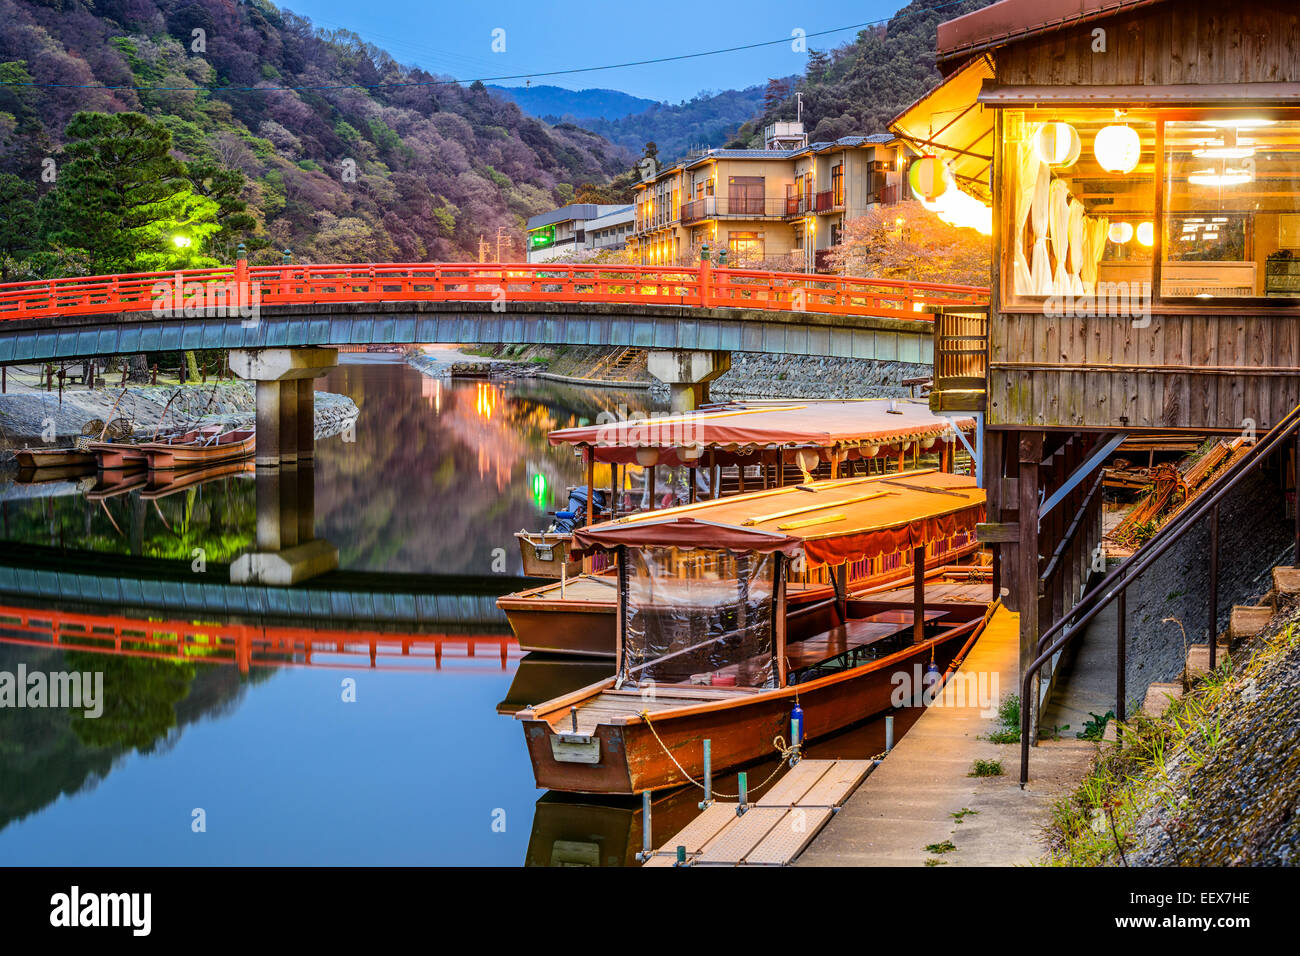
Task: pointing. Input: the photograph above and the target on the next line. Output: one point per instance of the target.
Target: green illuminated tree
(123, 202)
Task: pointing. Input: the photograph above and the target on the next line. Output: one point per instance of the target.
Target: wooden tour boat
(709, 646)
(203, 451)
(787, 442)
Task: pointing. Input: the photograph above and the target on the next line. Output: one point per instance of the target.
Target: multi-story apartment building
(782, 206)
(578, 227)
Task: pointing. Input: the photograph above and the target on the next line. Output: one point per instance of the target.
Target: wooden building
(1142, 158)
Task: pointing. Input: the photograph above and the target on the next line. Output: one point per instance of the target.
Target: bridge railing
(699, 286)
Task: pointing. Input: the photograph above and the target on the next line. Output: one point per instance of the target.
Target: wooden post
(779, 623)
(840, 580)
(650, 483)
(1121, 652)
(918, 594)
(591, 490)
(992, 482)
(1024, 582)
(613, 490)
(693, 476)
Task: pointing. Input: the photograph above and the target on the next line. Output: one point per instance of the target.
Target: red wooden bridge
(699, 287)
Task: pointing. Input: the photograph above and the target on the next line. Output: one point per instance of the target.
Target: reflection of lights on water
(486, 401)
(539, 491)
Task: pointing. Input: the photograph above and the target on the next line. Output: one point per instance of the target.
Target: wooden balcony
(961, 340)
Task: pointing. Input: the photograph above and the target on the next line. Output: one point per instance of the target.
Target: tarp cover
(861, 427)
(829, 522)
(696, 613)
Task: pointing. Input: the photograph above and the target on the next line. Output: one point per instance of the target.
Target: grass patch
(1095, 825)
(986, 768)
(933, 862)
(963, 813)
(1009, 720)
(945, 847)
(1095, 726)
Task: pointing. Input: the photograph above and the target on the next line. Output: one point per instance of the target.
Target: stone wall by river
(752, 374)
(25, 416)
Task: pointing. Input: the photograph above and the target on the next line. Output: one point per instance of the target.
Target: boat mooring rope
(784, 752)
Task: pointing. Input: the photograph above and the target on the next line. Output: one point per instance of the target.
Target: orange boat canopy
(863, 429)
(828, 522)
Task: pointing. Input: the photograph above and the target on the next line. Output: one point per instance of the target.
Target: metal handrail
(1115, 584)
(1068, 538)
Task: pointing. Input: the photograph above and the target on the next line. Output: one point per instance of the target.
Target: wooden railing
(699, 286)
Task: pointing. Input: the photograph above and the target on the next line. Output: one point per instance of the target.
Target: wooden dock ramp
(774, 829)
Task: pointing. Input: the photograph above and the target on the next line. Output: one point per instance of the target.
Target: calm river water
(198, 763)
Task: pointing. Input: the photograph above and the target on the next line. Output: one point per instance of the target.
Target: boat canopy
(828, 522)
(861, 429)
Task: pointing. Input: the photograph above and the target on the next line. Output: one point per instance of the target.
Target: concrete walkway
(908, 802)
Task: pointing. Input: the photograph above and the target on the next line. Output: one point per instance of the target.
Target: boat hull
(32, 459)
(165, 457)
(632, 759)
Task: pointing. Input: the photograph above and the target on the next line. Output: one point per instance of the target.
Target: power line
(459, 82)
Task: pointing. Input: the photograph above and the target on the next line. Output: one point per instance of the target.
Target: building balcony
(734, 207)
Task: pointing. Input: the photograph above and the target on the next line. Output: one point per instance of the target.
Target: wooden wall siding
(1180, 41)
(1182, 371)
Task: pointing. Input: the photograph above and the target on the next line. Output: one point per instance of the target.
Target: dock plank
(788, 838)
(801, 778)
(701, 830)
(836, 784)
(733, 844)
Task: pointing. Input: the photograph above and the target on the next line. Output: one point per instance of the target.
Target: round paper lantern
(1120, 232)
(1057, 144)
(690, 452)
(926, 178)
(1146, 233)
(645, 457)
(1117, 148)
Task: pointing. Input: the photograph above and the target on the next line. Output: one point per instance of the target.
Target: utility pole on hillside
(499, 238)
(482, 249)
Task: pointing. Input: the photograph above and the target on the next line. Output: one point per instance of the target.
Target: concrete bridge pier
(287, 551)
(687, 373)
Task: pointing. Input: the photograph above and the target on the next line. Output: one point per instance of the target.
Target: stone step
(1159, 697)
(1198, 660)
(1286, 582)
(1248, 621)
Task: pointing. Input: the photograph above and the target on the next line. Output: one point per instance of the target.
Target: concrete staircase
(1244, 623)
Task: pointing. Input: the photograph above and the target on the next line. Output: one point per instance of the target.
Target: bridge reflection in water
(251, 645)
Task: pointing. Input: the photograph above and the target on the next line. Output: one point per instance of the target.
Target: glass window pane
(1080, 188)
(1232, 208)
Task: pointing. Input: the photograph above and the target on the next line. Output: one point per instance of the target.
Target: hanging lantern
(870, 451)
(646, 457)
(1120, 232)
(690, 452)
(1118, 148)
(1057, 144)
(1146, 233)
(808, 459)
(926, 178)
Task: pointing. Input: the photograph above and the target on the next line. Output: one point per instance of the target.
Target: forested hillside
(555, 101)
(360, 159)
(861, 86)
(709, 119)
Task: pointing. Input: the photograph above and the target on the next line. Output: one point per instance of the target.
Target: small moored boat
(200, 452)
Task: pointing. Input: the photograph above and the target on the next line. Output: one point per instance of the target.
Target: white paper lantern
(1117, 148)
(1146, 233)
(1120, 232)
(1057, 144)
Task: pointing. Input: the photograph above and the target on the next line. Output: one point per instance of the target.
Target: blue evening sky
(456, 38)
